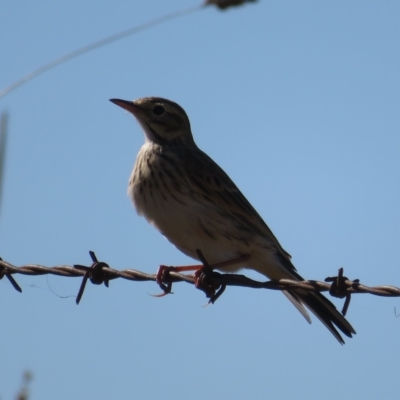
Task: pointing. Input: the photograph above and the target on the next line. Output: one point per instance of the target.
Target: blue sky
(297, 101)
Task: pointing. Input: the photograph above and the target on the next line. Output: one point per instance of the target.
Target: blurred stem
(3, 140)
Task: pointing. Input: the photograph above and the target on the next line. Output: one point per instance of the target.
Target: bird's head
(162, 120)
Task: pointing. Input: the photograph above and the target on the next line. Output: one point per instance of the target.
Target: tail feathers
(323, 309)
(297, 303)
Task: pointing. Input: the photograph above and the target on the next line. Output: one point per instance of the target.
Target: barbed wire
(212, 283)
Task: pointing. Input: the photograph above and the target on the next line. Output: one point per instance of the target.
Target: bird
(190, 200)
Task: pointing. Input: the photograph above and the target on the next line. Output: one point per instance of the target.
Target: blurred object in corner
(223, 4)
(23, 393)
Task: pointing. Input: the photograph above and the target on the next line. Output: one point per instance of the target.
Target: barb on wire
(94, 273)
(4, 272)
(211, 282)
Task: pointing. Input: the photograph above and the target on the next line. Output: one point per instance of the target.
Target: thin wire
(107, 273)
(98, 44)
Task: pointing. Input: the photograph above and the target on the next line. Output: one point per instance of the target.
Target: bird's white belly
(192, 226)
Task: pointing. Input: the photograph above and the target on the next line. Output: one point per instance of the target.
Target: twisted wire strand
(211, 282)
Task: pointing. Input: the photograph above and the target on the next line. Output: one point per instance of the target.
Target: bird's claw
(163, 280)
(204, 282)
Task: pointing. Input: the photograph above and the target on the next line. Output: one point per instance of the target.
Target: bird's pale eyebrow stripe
(175, 105)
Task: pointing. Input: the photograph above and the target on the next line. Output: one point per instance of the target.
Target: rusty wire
(211, 282)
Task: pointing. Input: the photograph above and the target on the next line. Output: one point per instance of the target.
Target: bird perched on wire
(182, 192)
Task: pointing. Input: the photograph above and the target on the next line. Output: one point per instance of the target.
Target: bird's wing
(214, 185)
(210, 182)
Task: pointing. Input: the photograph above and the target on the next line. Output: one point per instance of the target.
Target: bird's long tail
(323, 309)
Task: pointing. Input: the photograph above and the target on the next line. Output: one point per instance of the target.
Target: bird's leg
(238, 260)
(163, 279)
(212, 289)
(165, 282)
(163, 275)
(163, 270)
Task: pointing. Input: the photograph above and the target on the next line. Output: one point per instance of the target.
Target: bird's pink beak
(127, 105)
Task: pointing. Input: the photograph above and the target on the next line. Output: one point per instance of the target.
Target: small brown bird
(195, 205)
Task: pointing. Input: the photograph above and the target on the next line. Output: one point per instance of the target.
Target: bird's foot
(205, 280)
(163, 278)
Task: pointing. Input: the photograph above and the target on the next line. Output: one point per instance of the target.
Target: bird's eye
(158, 110)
